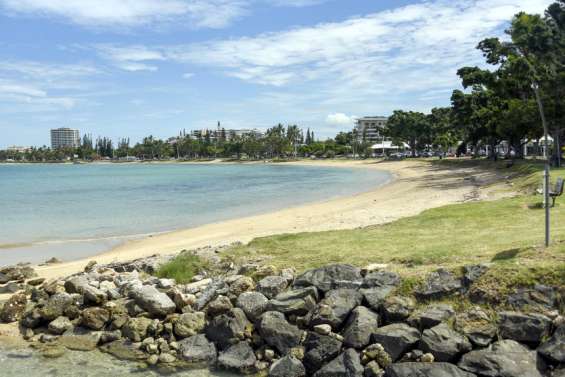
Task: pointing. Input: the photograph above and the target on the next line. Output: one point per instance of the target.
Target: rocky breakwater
(329, 322)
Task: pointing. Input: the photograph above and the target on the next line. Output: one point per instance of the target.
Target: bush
(182, 268)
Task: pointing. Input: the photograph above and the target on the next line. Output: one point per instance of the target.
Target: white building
(65, 138)
(18, 149)
(370, 129)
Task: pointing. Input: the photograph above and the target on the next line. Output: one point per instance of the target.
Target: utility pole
(546, 167)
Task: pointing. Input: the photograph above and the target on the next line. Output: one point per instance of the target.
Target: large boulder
(228, 328)
(76, 284)
(476, 325)
(396, 339)
(554, 349)
(296, 302)
(431, 316)
(124, 350)
(397, 308)
(95, 318)
(288, 366)
(444, 343)
(319, 350)
(253, 304)
(198, 350)
(219, 305)
(359, 327)
(135, 329)
(438, 284)
(94, 296)
(375, 297)
(14, 308)
(381, 278)
(18, 273)
(189, 324)
(540, 297)
(56, 306)
(238, 358)
(278, 333)
(425, 370)
(80, 339)
(335, 307)
(154, 302)
(240, 285)
(346, 364)
(272, 286)
(336, 276)
(505, 358)
(524, 328)
(59, 325)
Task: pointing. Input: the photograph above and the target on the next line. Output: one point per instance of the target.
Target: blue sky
(130, 68)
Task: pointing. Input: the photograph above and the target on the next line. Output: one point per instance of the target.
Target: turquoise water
(74, 211)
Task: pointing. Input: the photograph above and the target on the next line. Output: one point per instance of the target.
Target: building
(18, 149)
(228, 134)
(64, 138)
(370, 129)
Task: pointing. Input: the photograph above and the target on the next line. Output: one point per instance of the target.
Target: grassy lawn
(507, 232)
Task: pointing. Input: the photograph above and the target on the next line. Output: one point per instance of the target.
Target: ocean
(75, 211)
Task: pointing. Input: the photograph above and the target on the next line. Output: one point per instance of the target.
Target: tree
(408, 126)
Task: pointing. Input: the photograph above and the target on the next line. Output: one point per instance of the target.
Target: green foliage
(183, 268)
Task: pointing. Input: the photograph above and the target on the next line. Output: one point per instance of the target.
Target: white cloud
(136, 67)
(30, 95)
(297, 3)
(188, 75)
(131, 13)
(340, 119)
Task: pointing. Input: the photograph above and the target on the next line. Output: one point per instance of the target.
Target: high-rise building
(64, 138)
(370, 129)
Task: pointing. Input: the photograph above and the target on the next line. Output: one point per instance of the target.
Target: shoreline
(415, 187)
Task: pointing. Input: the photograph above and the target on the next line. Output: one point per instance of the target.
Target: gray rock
(444, 343)
(335, 307)
(228, 328)
(56, 306)
(472, 273)
(76, 284)
(293, 306)
(220, 305)
(425, 370)
(11, 287)
(381, 278)
(272, 286)
(253, 304)
(337, 276)
(346, 364)
(124, 350)
(59, 325)
(319, 350)
(396, 339)
(189, 324)
(94, 296)
(278, 333)
(155, 302)
(397, 308)
(431, 316)
(375, 297)
(299, 294)
(110, 336)
(288, 366)
(95, 318)
(539, 297)
(476, 325)
(14, 308)
(438, 284)
(4, 278)
(209, 293)
(135, 329)
(238, 358)
(554, 349)
(241, 284)
(505, 358)
(359, 327)
(198, 350)
(80, 339)
(524, 328)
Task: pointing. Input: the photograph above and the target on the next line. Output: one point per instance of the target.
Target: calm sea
(74, 211)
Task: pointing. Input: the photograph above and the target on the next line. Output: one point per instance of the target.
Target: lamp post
(535, 86)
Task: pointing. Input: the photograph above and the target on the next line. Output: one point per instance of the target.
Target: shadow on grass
(506, 255)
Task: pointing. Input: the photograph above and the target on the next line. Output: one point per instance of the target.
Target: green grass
(183, 268)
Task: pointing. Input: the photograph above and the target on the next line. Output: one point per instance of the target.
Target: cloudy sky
(137, 67)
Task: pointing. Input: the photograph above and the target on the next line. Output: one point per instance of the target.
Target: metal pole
(546, 167)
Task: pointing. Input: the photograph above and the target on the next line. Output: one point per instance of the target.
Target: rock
(431, 316)
(30, 319)
(59, 325)
(472, 273)
(56, 306)
(288, 274)
(288, 366)
(377, 353)
(359, 327)
(155, 302)
(135, 329)
(238, 358)
(476, 325)
(228, 328)
(253, 304)
(373, 267)
(381, 279)
(17, 273)
(53, 261)
(335, 307)
(198, 350)
(323, 329)
(346, 364)
(375, 297)
(52, 351)
(4, 278)
(95, 318)
(319, 350)
(220, 305)
(327, 278)
(36, 282)
(110, 336)
(94, 296)
(209, 293)
(80, 339)
(90, 266)
(505, 358)
(397, 308)
(11, 287)
(396, 339)
(167, 358)
(439, 284)
(272, 286)
(293, 306)
(189, 324)
(152, 360)
(373, 369)
(124, 350)
(554, 349)
(425, 370)
(76, 284)
(444, 343)
(540, 297)
(525, 328)
(166, 283)
(278, 333)
(14, 308)
(241, 285)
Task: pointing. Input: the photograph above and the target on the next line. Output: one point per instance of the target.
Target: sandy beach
(417, 186)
